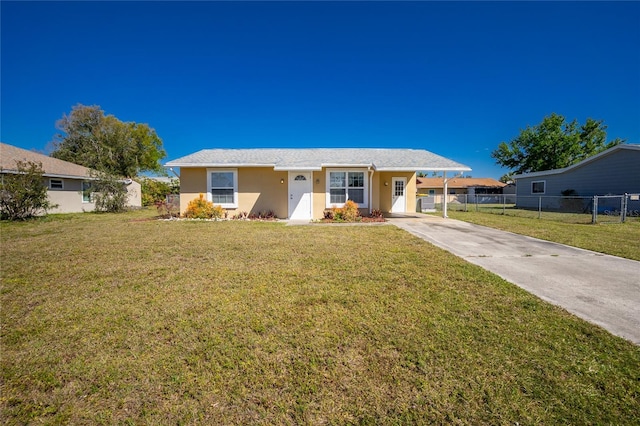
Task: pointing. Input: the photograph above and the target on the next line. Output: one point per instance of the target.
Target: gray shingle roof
(9, 154)
(316, 158)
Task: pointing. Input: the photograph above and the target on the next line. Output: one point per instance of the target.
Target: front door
(300, 195)
(398, 194)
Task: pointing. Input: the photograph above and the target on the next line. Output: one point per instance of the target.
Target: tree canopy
(553, 144)
(102, 142)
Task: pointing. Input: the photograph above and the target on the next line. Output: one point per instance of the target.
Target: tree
(89, 138)
(553, 144)
(506, 178)
(109, 193)
(154, 191)
(24, 194)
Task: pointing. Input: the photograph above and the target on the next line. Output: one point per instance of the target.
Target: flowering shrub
(200, 208)
(348, 213)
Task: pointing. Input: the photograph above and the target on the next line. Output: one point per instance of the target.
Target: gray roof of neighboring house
(317, 158)
(52, 167)
(629, 146)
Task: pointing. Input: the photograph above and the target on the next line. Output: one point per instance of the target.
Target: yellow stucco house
(300, 184)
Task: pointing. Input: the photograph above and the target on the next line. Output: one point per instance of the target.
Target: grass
(118, 319)
(616, 239)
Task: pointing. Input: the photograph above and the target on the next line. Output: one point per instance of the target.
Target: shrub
(154, 191)
(350, 212)
(200, 208)
(24, 194)
(377, 214)
(109, 192)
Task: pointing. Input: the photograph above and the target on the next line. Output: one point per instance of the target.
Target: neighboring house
(615, 171)
(303, 183)
(68, 183)
(458, 185)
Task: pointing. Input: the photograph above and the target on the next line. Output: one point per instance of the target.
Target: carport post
(444, 196)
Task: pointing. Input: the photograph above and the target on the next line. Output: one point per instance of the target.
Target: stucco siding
(259, 189)
(193, 182)
(319, 198)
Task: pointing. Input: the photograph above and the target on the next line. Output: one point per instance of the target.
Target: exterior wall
(193, 182)
(134, 195)
(68, 199)
(616, 173)
(319, 197)
(259, 189)
(384, 191)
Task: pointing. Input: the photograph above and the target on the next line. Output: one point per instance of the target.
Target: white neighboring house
(67, 183)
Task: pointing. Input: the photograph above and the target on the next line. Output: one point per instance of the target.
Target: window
(223, 188)
(347, 185)
(86, 192)
(56, 184)
(538, 187)
(432, 193)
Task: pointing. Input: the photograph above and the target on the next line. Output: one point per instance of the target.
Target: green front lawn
(616, 239)
(119, 319)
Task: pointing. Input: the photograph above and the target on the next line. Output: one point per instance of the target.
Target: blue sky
(455, 78)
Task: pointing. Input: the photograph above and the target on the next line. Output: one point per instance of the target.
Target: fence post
(504, 203)
(623, 207)
(476, 200)
(539, 207)
(466, 209)
(594, 213)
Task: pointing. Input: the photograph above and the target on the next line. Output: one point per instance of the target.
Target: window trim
(544, 187)
(61, 188)
(365, 187)
(233, 205)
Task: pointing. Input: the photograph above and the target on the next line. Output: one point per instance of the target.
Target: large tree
(103, 142)
(553, 144)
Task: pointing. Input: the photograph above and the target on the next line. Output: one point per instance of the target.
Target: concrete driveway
(602, 289)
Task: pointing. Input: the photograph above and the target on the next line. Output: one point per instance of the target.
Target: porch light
(386, 184)
(281, 181)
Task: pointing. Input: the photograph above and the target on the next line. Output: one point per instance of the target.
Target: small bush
(200, 208)
(377, 214)
(350, 212)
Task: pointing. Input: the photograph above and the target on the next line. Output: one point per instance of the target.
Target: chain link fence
(570, 209)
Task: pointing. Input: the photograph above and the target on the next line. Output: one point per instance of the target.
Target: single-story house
(301, 184)
(434, 186)
(615, 171)
(68, 183)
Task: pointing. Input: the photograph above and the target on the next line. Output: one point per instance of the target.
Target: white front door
(398, 194)
(300, 195)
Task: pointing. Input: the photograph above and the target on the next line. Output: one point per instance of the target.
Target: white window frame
(544, 186)
(61, 188)
(365, 197)
(233, 205)
(82, 191)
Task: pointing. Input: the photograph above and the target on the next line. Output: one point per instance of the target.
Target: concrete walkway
(602, 289)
